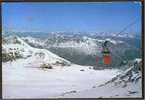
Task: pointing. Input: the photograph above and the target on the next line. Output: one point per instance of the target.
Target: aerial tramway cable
(106, 51)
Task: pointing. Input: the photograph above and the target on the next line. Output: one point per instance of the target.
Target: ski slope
(21, 80)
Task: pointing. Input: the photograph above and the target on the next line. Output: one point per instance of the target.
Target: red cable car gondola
(106, 54)
(106, 51)
(106, 59)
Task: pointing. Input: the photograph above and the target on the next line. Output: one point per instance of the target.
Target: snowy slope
(20, 80)
(26, 50)
(124, 85)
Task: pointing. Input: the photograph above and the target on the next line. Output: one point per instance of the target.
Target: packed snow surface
(21, 80)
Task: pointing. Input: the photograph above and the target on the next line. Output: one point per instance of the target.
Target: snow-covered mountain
(15, 45)
(35, 42)
(23, 76)
(84, 49)
(115, 34)
(86, 45)
(70, 34)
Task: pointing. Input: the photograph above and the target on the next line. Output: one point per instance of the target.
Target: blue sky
(73, 17)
